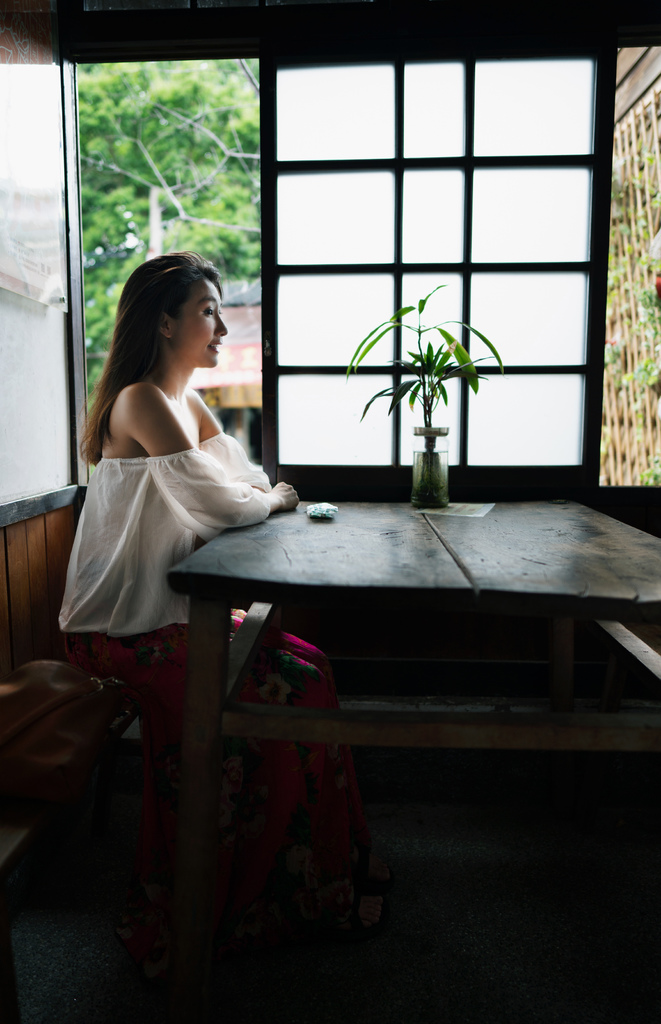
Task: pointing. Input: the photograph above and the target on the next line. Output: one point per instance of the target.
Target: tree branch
(103, 165)
(161, 180)
(194, 123)
(255, 181)
(249, 75)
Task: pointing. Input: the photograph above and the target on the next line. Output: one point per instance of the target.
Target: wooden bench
(632, 648)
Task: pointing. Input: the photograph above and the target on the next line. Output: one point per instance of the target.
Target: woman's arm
(282, 497)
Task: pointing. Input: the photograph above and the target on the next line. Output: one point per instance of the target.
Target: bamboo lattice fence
(631, 429)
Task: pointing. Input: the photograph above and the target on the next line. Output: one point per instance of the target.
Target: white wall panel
(34, 435)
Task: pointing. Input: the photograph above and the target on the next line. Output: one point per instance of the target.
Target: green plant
(649, 317)
(651, 477)
(429, 367)
(647, 373)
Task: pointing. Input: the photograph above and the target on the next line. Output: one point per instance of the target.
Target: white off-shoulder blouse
(141, 516)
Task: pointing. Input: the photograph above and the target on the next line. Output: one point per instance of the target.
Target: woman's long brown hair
(160, 285)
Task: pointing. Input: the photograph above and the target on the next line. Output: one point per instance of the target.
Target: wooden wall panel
(39, 599)
(34, 555)
(18, 572)
(5, 638)
(60, 530)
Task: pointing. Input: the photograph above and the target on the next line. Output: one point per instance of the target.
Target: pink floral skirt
(289, 812)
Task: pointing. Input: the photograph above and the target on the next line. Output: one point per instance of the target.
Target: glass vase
(430, 467)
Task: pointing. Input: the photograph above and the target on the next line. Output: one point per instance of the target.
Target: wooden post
(199, 800)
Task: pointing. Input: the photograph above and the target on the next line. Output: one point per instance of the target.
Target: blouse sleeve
(228, 452)
(202, 497)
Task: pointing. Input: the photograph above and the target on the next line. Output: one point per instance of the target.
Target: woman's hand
(283, 497)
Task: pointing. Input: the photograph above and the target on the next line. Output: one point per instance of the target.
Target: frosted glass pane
(433, 230)
(336, 218)
(434, 109)
(532, 319)
(336, 113)
(526, 421)
(322, 319)
(444, 305)
(319, 421)
(445, 416)
(531, 215)
(533, 107)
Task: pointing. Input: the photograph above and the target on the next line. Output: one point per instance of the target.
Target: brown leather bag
(53, 722)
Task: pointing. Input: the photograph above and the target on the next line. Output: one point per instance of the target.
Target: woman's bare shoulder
(143, 416)
(134, 396)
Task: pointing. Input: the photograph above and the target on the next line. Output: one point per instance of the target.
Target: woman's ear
(165, 326)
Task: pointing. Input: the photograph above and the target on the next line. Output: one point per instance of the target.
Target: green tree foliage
(169, 160)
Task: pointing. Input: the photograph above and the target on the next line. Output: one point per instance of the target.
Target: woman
(293, 844)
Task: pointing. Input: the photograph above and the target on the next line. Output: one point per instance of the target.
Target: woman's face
(194, 337)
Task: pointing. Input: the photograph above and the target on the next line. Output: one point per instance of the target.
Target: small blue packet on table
(321, 511)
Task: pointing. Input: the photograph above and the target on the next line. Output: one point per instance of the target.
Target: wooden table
(558, 560)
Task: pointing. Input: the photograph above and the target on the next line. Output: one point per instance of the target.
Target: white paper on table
(459, 508)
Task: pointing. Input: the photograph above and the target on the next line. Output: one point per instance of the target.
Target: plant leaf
(463, 371)
(409, 367)
(443, 356)
(423, 302)
(402, 312)
(366, 345)
(472, 377)
(379, 394)
(490, 346)
(463, 358)
(461, 355)
(482, 337)
(447, 336)
(400, 392)
(415, 393)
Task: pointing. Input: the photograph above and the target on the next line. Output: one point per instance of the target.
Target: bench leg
(8, 998)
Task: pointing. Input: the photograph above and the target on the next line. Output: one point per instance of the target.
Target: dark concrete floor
(503, 914)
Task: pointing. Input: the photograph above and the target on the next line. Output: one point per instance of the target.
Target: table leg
(199, 800)
(561, 657)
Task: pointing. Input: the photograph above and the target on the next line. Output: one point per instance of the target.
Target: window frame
(466, 481)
